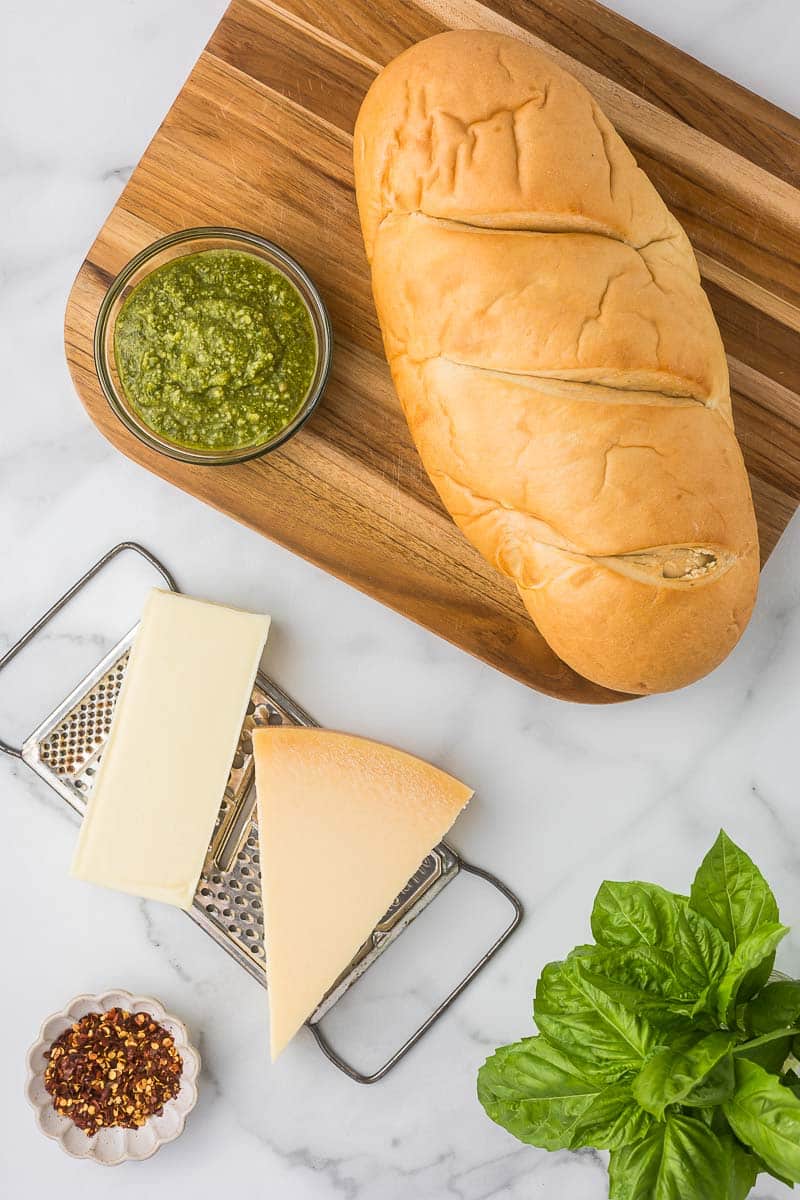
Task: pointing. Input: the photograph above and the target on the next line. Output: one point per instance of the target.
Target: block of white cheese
(174, 733)
(343, 825)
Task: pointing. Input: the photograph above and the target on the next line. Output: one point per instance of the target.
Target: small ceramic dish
(113, 1145)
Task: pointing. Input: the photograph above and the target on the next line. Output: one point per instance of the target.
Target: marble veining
(566, 796)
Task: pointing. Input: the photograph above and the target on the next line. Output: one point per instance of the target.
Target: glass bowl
(193, 241)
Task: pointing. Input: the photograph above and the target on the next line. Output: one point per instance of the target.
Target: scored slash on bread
(557, 359)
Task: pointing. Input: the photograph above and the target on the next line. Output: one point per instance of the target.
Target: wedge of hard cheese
(343, 825)
(175, 730)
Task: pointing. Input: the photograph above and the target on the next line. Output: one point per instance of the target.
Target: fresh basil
(743, 1168)
(730, 892)
(643, 980)
(626, 915)
(777, 1006)
(666, 985)
(745, 1049)
(769, 1050)
(766, 1116)
(678, 1159)
(536, 1092)
(717, 1086)
(765, 1170)
(663, 1042)
(613, 1119)
(576, 1015)
(756, 949)
(672, 1074)
(701, 955)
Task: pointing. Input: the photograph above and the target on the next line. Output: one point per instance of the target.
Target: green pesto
(215, 350)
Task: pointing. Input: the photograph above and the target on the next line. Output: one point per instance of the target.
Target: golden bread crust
(557, 359)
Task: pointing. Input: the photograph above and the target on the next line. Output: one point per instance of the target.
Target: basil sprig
(664, 1042)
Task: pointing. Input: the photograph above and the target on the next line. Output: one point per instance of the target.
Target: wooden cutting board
(260, 137)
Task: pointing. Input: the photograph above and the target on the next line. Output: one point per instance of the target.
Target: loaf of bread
(557, 359)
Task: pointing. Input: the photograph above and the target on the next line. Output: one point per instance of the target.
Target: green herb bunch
(665, 1042)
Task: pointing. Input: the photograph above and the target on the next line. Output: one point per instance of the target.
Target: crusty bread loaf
(557, 359)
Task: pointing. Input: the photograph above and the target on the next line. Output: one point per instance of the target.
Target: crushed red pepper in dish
(113, 1068)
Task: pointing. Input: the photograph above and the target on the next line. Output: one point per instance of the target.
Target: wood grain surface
(260, 138)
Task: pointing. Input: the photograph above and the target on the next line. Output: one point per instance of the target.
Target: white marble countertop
(566, 795)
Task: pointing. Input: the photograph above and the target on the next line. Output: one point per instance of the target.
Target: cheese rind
(343, 825)
(176, 726)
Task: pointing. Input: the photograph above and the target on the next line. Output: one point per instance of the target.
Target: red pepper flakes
(113, 1068)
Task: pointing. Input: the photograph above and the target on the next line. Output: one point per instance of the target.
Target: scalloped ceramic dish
(114, 1145)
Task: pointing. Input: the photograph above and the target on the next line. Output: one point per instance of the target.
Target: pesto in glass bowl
(213, 346)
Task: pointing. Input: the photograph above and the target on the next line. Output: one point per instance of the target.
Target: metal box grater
(66, 748)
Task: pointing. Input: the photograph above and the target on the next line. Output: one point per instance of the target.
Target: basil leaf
(730, 891)
(762, 1166)
(680, 1159)
(671, 1075)
(717, 1086)
(665, 986)
(701, 956)
(535, 1092)
(757, 949)
(713, 1117)
(777, 1006)
(630, 1055)
(769, 1051)
(642, 980)
(766, 1116)
(642, 967)
(743, 1168)
(584, 951)
(613, 1119)
(589, 1026)
(745, 1048)
(626, 915)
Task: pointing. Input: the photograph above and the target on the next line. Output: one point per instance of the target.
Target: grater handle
(62, 602)
(418, 1033)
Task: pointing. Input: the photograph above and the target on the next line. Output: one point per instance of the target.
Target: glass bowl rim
(282, 261)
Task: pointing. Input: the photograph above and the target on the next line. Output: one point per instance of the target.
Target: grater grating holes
(232, 901)
(226, 902)
(77, 740)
